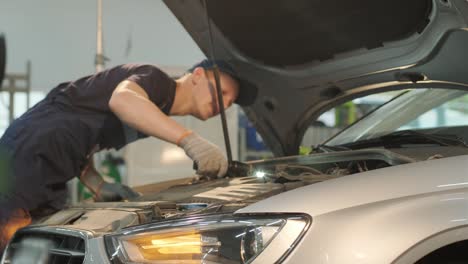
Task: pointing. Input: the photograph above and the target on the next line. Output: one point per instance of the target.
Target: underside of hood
(286, 33)
(307, 56)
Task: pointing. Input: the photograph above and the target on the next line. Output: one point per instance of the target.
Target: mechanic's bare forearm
(140, 113)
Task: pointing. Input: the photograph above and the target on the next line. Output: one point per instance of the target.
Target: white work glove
(209, 158)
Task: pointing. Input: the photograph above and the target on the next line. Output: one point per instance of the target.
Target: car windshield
(432, 111)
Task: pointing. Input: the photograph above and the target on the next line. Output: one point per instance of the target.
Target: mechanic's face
(205, 96)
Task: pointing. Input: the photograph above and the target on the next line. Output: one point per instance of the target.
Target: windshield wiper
(405, 137)
(323, 148)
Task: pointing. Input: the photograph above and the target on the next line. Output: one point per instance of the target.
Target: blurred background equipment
(100, 58)
(346, 114)
(2, 58)
(111, 170)
(14, 84)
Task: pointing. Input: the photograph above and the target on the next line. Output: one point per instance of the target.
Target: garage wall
(59, 38)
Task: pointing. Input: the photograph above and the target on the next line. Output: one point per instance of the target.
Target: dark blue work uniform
(51, 142)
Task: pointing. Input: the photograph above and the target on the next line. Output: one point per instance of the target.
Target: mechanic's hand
(113, 192)
(208, 157)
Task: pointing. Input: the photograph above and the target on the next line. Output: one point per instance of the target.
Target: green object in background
(110, 169)
(83, 192)
(303, 150)
(109, 172)
(345, 114)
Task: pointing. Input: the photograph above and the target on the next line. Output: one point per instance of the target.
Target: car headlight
(210, 239)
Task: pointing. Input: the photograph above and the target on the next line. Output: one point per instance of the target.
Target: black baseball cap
(247, 91)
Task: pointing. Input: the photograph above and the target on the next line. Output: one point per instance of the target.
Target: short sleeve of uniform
(157, 84)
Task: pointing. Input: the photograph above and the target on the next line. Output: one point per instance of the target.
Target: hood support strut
(218, 89)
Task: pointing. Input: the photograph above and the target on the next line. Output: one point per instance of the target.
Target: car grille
(45, 247)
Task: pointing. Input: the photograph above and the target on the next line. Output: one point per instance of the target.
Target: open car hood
(307, 56)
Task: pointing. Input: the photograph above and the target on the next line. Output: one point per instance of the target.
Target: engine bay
(264, 179)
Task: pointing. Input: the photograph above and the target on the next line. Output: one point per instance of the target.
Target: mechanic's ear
(197, 74)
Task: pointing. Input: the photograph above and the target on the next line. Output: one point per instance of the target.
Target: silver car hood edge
(399, 182)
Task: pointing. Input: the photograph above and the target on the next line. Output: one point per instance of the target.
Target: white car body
(391, 215)
(401, 209)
